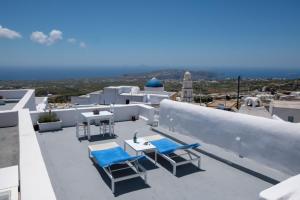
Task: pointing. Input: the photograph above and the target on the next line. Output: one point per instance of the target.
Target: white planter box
(50, 126)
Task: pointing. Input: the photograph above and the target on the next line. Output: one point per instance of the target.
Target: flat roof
(256, 111)
(74, 176)
(8, 106)
(216, 103)
(9, 146)
(286, 104)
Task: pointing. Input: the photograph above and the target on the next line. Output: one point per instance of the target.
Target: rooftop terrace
(74, 176)
(7, 106)
(9, 146)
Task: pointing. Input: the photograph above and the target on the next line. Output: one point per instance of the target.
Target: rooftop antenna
(238, 92)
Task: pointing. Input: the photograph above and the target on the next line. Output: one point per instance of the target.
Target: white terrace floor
(74, 176)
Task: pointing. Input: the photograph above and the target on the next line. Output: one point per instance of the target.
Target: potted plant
(96, 112)
(49, 122)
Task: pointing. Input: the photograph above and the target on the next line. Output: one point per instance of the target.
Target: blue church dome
(154, 83)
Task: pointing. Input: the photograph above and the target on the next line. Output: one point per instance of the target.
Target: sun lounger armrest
(133, 158)
(189, 146)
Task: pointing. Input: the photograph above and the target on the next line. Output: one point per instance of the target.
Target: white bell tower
(187, 88)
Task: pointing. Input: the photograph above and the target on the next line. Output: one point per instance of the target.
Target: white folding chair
(80, 125)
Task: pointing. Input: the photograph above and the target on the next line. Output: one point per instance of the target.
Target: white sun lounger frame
(133, 164)
(192, 157)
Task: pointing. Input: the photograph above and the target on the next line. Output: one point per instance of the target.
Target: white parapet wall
(70, 116)
(147, 112)
(270, 142)
(286, 190)
(8, 118)
(26, 99)
(35, 183)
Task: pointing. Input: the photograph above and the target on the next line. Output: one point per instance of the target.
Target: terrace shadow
(125, 186)
(182, 170)
(95, 138)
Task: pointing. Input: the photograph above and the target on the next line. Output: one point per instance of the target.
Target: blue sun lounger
(110, 154)
(168, 149)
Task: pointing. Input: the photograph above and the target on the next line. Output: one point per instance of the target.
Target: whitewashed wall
(35, 183)
(147, 112)
(82, 100)
(271, 142)
(69, 116)
(27, 100)
(8, 118)
(284, 113)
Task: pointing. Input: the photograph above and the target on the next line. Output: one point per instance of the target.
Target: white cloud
(41, 38)
(9, 34)
(72, 40)
(82, 45)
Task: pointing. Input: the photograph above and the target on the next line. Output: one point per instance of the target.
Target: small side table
(139, 147)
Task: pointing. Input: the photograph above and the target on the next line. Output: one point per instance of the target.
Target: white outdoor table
(139, 146)
(103, 115)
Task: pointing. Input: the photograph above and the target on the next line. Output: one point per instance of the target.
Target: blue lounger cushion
(112, 156)
(166, 146)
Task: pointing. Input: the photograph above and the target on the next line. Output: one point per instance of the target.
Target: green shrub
(48, 117)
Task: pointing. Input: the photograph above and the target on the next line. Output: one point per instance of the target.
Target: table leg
(110, 127)
(89, 130)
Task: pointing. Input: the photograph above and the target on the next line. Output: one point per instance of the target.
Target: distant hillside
(172, 74)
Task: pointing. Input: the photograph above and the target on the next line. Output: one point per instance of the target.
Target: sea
(59, 73)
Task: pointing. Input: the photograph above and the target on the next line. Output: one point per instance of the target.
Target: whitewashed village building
(286, 110)
(153, 94)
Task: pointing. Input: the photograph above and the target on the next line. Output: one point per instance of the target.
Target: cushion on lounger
(167, 146)
(112, 156)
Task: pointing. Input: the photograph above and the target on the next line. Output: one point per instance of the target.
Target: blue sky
(242, 33)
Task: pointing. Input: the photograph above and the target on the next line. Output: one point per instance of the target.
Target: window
(291, 118)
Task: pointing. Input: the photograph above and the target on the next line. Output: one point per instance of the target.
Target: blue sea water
(57, 73)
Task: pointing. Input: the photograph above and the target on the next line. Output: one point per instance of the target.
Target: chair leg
(174, 170)
(113, 186)
(77, 131)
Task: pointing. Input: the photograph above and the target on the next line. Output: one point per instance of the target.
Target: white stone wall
(154, 89)
(35, 183)
(8, 118)
(284, 113)
(270, 142)
(121, 113)
(27, 100)
(147, 112)
(80, 100)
